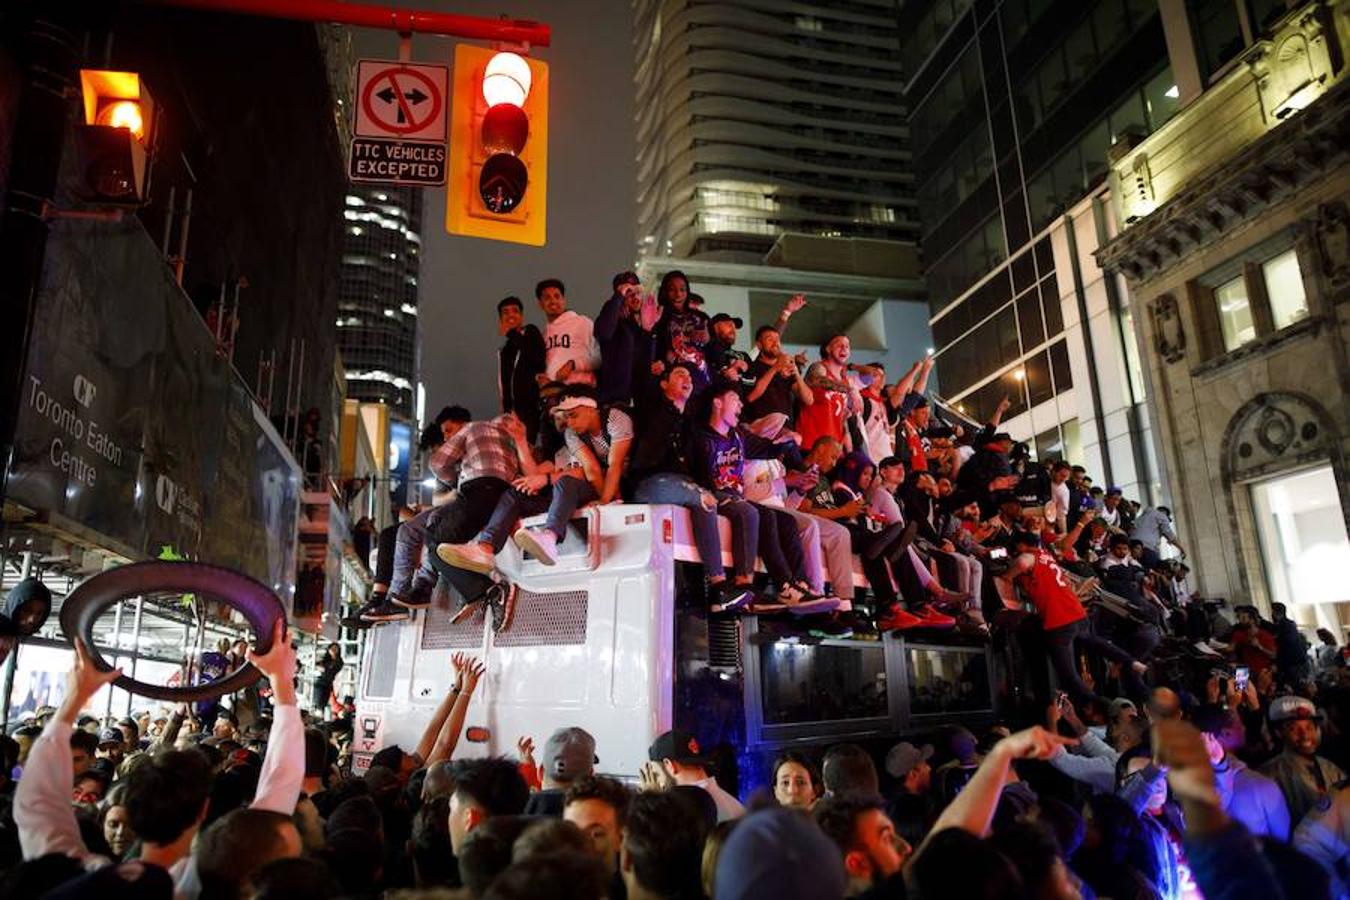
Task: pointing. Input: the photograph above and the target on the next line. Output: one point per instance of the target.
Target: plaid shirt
(478, 450)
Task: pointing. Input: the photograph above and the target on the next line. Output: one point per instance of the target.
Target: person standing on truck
(661, 470)
(571, 352)
(719, 463)
(520, 362)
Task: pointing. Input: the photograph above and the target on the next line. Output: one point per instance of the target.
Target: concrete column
(1181, 49)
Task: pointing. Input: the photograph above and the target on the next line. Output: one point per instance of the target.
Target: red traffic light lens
(505, 129)
(502, 183)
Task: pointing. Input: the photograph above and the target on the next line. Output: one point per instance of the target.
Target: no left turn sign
(401, 101)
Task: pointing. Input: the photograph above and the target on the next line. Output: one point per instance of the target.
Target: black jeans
(466, 512)
(872, 548)
(1062, 646)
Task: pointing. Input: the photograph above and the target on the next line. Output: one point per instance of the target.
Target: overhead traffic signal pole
(47, 52)
(404, 21)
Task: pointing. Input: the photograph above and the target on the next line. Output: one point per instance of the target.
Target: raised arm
(897, 391)
(925, 369)
(428, 738)
(42, 808)
(762, 384)
(794, 303)
(1225, 859)
(283, 768)
(973, 808)
(448, 738)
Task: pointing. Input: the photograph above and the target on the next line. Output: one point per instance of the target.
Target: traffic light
(498, 176)
(116, 140)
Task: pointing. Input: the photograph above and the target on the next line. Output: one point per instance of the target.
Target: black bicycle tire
(254, 600)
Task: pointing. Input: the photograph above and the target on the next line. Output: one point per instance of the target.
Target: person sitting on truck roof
(661, 468)
(484, 788)
(402, 580)
(719, 453)
(482, 461)
(586, 469)
(678, 755)
(607, 433)
(569, 754)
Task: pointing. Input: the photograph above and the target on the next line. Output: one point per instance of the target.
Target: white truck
(615, 638)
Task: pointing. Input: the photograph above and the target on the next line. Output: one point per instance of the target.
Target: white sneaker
(539, 543)
(469, 556)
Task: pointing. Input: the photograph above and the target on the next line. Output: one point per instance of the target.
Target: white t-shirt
(571, 338)
(1057, 509)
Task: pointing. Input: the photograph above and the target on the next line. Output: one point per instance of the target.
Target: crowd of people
(1148, 742)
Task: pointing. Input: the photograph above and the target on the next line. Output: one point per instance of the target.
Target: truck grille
(724, 643)
(439, 634)
(548, 618)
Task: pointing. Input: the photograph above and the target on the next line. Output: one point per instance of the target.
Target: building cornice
(1309, 146)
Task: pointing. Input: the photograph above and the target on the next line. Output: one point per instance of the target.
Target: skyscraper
(771, 159)
(1015, 107)
(377, 299)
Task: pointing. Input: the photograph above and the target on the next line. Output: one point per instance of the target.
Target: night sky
(590, 195)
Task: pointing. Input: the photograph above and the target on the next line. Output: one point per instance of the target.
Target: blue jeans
(678, 490)
(470, 505)
(563, 498)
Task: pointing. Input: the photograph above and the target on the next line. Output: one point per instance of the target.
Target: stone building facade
(1235, 244)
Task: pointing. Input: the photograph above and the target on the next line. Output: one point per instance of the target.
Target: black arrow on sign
(389, 95)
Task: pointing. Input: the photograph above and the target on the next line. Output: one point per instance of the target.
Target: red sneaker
(896, 619)
(931, 618)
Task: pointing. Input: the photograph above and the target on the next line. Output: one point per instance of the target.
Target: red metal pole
(404, 21)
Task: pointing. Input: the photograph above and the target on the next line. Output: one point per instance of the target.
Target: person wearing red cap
(677, 754)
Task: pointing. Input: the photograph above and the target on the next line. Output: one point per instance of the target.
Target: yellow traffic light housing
(498, 173)
(116, 140)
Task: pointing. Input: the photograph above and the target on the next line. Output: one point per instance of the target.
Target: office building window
(1162, 98)
(1284, 289)
(1265, 13)
(1235, 313)
(1050, 445)
(1218, 32)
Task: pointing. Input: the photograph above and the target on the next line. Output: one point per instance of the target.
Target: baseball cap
(904, 756)
(723, 317)
(1290, 708)
(627, 277)
(110, 736)
(570, 403)
(676, 744)
(1114, 491)
(570, 753)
